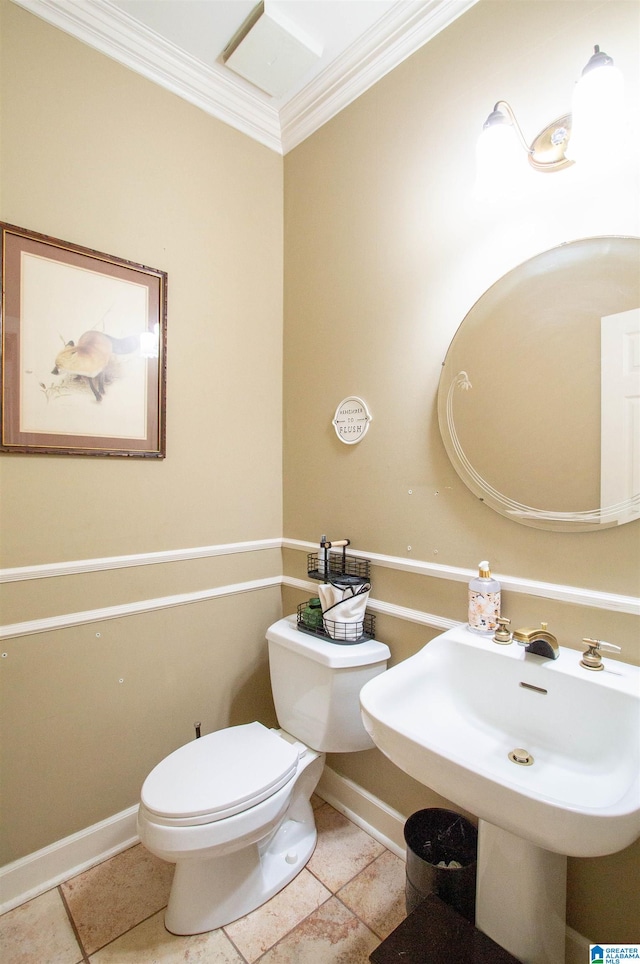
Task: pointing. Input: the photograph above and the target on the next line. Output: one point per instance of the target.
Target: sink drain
(522, 757)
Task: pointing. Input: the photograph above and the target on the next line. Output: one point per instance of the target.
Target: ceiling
(179, 45)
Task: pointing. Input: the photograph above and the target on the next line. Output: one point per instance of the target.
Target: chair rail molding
(570, 594)
(528, 587)
(49, 623)
(46, 570)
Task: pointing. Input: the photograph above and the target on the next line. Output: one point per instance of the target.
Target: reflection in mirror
(539, 397)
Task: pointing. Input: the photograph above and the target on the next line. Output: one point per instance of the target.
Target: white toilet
(232, 810)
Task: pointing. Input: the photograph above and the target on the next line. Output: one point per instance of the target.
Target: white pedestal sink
(451, 715)
(521, 896)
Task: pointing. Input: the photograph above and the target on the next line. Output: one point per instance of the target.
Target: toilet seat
(219, 775)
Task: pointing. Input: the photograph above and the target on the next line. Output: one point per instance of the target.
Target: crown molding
(404, 29)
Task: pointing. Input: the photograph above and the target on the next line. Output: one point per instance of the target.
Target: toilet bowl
(253, 835)
(233, 809)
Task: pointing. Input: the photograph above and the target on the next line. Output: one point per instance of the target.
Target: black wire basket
(345, 634)
(338, 566)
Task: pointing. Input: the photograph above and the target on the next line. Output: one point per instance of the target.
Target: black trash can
(442, 849)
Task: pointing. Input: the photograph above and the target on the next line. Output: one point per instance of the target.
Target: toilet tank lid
(367, 653)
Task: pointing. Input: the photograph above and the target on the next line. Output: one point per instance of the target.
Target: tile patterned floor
(337, 910)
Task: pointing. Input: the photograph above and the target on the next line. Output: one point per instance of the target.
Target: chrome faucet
(538, 641)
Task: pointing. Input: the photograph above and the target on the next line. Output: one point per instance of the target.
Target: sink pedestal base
(521, 896)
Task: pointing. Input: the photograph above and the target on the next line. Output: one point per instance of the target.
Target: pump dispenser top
(484, 601)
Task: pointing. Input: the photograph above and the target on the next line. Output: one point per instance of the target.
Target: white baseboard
(576, 947)
(38, 872)
(362, 808)
(30, 876)
(41, 871)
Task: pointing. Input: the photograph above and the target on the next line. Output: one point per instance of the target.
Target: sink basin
(450, 715)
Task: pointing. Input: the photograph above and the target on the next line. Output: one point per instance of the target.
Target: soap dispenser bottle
(484, 601)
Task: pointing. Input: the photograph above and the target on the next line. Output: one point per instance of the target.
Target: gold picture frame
(83, 350)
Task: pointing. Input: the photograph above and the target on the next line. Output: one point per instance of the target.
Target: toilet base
(209, 893)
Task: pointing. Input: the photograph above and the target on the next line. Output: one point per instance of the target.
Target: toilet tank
(316, 686)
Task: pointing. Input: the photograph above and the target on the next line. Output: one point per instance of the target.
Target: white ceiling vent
(270, 52)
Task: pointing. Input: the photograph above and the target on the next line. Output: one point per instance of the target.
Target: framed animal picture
(83, 350)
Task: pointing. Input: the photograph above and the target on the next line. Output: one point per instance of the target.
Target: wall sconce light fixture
(595, 117)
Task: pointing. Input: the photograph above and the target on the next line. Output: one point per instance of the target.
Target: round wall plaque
(351, 420)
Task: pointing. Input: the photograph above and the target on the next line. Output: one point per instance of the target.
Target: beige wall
(385, 252)
(94, 154)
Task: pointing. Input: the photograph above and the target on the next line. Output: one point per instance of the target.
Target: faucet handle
(502, 634)
(592, 659)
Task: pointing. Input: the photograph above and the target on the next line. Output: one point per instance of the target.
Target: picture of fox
(92, 357)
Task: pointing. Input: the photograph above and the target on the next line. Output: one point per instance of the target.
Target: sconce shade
(597, 109)
(498, 154)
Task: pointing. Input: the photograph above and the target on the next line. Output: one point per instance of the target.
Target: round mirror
(539, 396)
